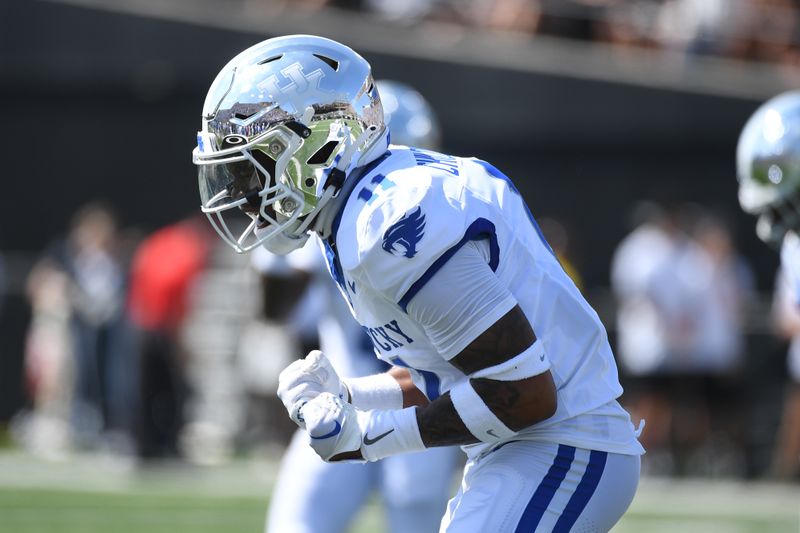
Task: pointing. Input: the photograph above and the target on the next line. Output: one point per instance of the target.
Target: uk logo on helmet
(301, 87)
(403, 236)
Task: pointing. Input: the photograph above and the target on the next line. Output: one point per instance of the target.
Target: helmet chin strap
(281, 243)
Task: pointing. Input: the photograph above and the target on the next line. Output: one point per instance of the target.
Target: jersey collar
(350, 185)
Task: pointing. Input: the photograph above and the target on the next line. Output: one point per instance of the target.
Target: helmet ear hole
(233, 140)
(322, 155)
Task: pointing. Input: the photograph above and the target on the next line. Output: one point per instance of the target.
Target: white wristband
(388, 433)
(477, 416)
(380, 391)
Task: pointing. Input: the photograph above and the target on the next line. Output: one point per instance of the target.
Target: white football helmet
(768, 167)
(408, 115)
(283, 124)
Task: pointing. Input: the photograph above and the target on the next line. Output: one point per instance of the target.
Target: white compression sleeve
(380, 391)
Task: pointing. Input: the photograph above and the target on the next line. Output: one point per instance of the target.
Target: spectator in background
(162, 274)
(407, 11)
(641, 336)
(78, 350)
(755, 30)
(508, 15)
(49, 382)
(708, 27)
(627, 25)
(725, 286)
(709, 286)
(682, 289)
(773, 31)
(641, 332)
(573, 19)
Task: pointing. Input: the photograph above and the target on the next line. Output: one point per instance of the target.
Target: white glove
(335, 427)
(305, 379)
(332, 425)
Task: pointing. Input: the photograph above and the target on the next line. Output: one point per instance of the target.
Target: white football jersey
(408, 213)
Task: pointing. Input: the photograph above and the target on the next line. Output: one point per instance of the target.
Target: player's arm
(510, 386)
(477, 325)
(496, 345)
(517, 403)
(494, 408)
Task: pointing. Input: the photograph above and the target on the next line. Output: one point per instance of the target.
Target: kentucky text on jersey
(388, 337)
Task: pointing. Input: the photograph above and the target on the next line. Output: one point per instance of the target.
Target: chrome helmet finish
(283, 122)
(408, 115)
(768, 167)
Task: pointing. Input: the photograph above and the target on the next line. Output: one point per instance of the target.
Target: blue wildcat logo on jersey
(405, 234)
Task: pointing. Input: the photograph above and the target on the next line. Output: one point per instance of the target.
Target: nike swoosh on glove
(340, 431)
(332, 426)
(304, 380)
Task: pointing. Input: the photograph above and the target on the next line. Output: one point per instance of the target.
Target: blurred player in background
(768, 167)
(164, 270)
(444, 267)
(78, 355)
(414, 488)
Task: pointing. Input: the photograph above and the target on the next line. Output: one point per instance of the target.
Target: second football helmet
(768, 167)
(408, 115)
(283, 123)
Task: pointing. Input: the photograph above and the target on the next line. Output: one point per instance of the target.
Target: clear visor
(240, 193)
(236, 182)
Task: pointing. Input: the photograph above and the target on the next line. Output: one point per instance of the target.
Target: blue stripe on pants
(546, 490)
(583, 492)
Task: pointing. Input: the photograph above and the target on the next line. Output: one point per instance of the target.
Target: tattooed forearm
(501, 397)
(440, 425)
(518, 404)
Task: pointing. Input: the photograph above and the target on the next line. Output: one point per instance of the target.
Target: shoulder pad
(400, 233)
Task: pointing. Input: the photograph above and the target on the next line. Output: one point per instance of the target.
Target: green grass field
(94, 495)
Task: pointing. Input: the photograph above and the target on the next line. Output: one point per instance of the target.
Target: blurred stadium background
(591, 106)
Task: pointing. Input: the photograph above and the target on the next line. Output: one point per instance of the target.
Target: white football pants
(533, 487)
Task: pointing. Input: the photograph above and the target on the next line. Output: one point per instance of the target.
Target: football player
(492, 346)
(768, 168)
(414, 488)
